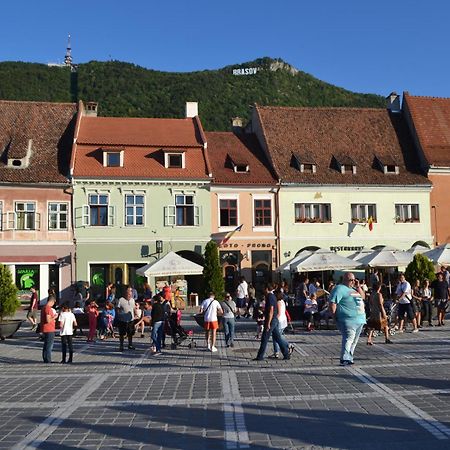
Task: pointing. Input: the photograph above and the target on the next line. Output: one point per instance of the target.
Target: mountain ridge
(127, 90)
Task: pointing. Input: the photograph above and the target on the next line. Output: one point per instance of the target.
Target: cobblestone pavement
(395, 396)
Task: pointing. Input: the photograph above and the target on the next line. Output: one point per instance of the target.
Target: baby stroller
(178, 333)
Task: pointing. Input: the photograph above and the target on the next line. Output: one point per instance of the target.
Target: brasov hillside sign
(246, 71)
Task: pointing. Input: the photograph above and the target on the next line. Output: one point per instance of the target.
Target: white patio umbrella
(170, 264)
(386, 257)
(439, 255)
(360, 253)
(323, 259)
(417, 249)
(287, 265)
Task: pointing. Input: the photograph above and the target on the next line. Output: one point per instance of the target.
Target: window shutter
(82, 215)
(111, 216)
(11, 220)
(169, 216)
(37, 221)
(197, 216)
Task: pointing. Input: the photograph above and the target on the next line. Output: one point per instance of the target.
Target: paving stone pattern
(395, 396)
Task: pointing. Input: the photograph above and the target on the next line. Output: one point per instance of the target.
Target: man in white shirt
(404, 293)
(211, 307)
(241, 296)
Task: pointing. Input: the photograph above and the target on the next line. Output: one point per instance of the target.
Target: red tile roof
(139, 163)
(144, 141)
(140, 132)
(431, 120)
(226, 147)
(48, 128)
(326, 133)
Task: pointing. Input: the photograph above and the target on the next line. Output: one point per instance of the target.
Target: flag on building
(230, 234)
(370, 223)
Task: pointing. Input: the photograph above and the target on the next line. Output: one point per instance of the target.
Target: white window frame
(263, 228)
(167, 160)
(361, 216)
(134, 206)
(58, 213)
(313, 209)
(343, 170)
(105, 157)
(408, 207)
(86, 211)
(12, 216)
(227, 197)
(170, 211)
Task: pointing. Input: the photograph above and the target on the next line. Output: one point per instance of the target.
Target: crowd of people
(353, 304)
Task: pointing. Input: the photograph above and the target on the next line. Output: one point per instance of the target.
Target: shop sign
(346, 248)
(27, 277)
(250, 245)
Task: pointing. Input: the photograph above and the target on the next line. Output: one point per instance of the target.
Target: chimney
(191, 109)
(393, 102)
(236, 123)
(90, 109)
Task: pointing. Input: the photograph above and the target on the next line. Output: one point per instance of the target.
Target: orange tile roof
(431, 120)
(139, 163)
(241, 149)
(50, 126)
(139, 131)
(144, 141)
(326, 133)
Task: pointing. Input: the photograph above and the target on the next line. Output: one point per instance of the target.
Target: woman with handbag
(378, 317)
(210, 308)
(228, 319)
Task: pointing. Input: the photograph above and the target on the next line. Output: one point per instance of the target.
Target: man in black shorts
(440, 293)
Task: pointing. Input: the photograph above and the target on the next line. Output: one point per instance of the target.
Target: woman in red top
(92, 312)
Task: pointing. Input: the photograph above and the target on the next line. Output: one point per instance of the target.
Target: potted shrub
(9, 304)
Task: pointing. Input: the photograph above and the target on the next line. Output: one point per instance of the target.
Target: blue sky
(365, 46)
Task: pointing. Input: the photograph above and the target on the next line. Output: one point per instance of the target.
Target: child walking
(92, 311)
(67, 322)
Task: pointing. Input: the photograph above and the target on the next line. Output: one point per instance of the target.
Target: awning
(170, 264)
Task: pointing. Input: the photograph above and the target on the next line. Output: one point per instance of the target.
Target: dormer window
(174, 160)
(113, 158)
(345, 164)
(304, 163)
(391, 168)
(241, 168)
(238, 164)
(387, 164)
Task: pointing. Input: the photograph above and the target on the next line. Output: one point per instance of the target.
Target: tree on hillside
(212, 272)
(420, 268)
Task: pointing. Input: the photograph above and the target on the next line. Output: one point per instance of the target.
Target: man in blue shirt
(347, 304)
(271, 327)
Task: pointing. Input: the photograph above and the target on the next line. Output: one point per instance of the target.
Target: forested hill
(124, 89)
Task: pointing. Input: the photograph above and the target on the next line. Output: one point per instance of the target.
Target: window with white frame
(407, 213)
(113, 159)
(24, 217)
(262, 212)
(312, 212)
(174, 160)
(184, 213)
(58, 216)
(228, 212)
(134, 210)
(98, 209)
(362, 212)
